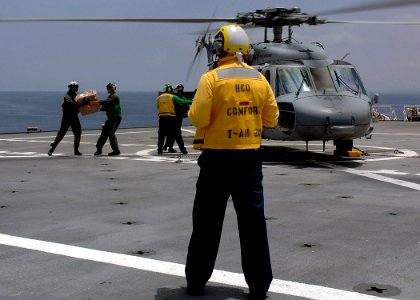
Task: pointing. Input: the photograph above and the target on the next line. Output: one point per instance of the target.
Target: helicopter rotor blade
(200, 45)
(372, 22)
(371, 6)
(214, 29)
(124, 20)
(197, 54)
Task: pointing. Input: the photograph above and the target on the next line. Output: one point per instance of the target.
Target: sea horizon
(42, 109)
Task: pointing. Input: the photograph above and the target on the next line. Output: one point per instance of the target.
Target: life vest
(166, 107)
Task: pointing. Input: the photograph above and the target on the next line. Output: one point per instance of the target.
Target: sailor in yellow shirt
(232, 104)
(167, 118)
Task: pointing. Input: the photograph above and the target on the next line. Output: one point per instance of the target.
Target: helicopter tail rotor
(200, 43)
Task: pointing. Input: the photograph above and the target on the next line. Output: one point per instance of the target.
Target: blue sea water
(20, 110)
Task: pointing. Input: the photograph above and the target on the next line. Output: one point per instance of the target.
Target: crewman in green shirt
(113, 112)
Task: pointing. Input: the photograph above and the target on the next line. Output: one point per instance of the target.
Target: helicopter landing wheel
(342, 147)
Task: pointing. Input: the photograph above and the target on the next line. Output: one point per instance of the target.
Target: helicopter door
(267, 75)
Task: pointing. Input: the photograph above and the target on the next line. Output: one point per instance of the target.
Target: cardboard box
(93, 105)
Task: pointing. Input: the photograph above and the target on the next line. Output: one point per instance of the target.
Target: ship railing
(383, 112)
(411, 113)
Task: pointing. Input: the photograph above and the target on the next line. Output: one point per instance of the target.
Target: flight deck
(101, 227)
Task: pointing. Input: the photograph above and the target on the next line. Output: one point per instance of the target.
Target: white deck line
(169, 268)
(372, 175)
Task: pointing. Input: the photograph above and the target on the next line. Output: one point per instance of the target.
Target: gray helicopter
(319, 98)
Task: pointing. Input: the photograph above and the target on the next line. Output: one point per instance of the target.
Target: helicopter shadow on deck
(301, 159)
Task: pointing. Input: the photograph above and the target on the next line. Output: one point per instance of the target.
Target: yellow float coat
(166, 107)
(232, 104)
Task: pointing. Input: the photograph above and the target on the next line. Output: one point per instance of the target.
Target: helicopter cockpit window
(291, 80)
(347, 79)
(322, 79)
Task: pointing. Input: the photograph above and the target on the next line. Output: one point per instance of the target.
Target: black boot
(50, 152)
(115, 152)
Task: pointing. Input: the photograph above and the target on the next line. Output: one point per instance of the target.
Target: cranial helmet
(231, 39)
(111, 85)
(180, 86)
(167, 88)
(73, 84)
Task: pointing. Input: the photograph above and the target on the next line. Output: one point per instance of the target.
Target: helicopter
(319, 98)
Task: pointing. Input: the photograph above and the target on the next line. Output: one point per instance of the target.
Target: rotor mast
(276, 18)
(277, 34)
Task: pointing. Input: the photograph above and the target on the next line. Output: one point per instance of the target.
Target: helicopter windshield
(292, 79)
(347, 79)
(322, 79)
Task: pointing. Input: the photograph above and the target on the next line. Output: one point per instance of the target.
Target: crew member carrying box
(92, 99)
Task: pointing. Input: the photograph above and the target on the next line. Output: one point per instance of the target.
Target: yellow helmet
(235, 39)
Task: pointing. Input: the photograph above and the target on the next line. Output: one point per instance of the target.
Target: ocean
(20, 110)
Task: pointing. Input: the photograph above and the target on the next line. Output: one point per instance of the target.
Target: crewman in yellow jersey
(167, 117)
(232, 104)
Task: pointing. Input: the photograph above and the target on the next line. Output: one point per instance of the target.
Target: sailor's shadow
(211, 293)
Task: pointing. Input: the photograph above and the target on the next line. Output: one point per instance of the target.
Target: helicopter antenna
(347, 54)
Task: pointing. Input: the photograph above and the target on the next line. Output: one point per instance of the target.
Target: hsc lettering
(242, 87)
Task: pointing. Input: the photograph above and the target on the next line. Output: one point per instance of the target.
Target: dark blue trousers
(108, 131)
(167, 129)
(66, 122)
(224, 173)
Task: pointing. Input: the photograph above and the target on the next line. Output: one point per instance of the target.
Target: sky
(144, 57)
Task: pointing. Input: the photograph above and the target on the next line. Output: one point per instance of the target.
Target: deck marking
(169, 268)
(396, 133)
(372, 175)
(389, 172)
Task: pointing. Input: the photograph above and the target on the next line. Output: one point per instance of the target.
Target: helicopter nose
(332, 117)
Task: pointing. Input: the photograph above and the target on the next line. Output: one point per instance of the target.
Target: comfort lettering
(242, 110)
